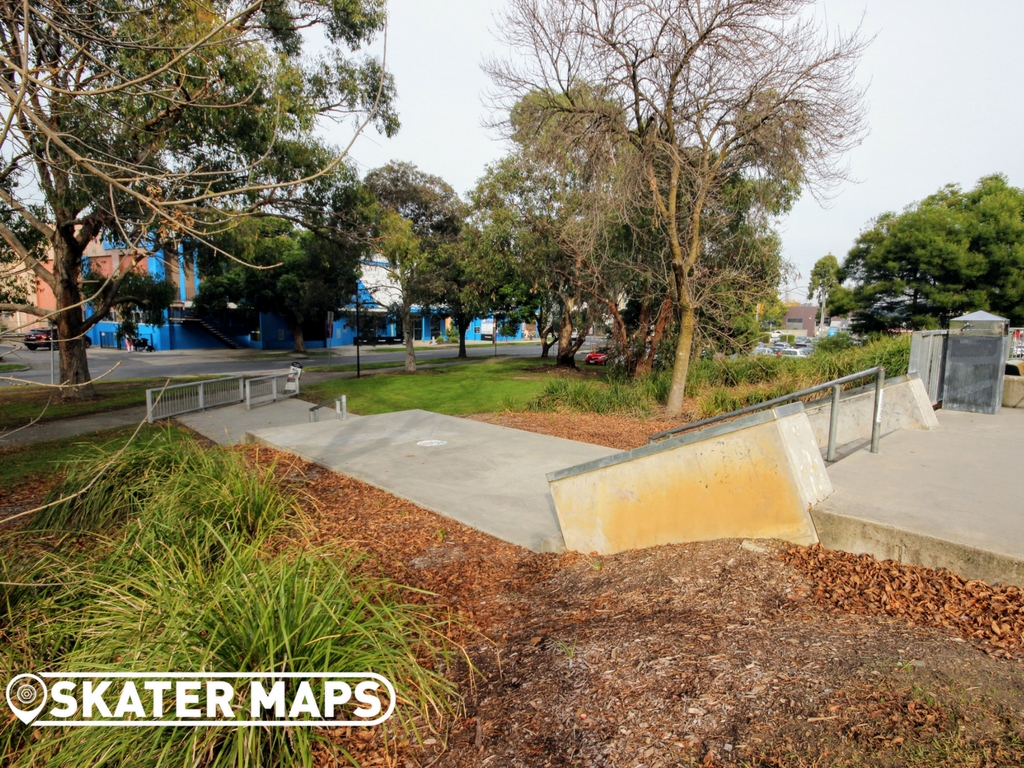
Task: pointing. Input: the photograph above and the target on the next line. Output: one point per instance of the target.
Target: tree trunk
(566, 352)
(463, 328)
(300, 339)
(682, 362)
(545, 345)
(646, 363)
(74, 365)
(410, 350)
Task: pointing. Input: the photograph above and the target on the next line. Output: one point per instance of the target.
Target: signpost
(330, 335)
(53, 329)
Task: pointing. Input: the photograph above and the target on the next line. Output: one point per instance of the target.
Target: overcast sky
(944, 84)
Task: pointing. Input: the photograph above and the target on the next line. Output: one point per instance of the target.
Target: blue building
(184, 329)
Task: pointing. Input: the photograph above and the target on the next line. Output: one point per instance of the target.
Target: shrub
(720, 386)
(168, 570)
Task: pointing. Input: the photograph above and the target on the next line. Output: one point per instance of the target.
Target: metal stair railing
(836, 385)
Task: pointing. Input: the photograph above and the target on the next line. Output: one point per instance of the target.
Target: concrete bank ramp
(756, 476)
(489, 477)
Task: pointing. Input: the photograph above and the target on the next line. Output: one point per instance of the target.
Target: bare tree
(150, 122)
(697, 94)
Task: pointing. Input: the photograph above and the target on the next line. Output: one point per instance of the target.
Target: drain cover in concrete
(488, 477)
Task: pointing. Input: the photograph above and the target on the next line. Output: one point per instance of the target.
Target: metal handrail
(836, 385)
(340, 409)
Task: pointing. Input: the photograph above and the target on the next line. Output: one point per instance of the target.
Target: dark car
(45, 337)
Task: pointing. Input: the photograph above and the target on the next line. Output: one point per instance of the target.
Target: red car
(41, 338)
(597, 357)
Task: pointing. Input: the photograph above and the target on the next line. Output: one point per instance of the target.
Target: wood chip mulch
(622, 432)
(992, 615)
(705, 654)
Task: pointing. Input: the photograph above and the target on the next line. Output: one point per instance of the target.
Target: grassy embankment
(720, 386)
(171, 557)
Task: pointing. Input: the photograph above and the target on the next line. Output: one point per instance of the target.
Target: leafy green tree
(952, 253)
(420, 214)
(151, 123)
(824, 281)
(464, 281)
(300, 275)
(523, 208)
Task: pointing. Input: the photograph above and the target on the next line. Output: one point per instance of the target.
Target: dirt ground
(719, 653)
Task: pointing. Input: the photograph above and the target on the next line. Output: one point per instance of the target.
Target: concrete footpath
(951, 497)
(80, 425)
(228, 425)
(489, 477)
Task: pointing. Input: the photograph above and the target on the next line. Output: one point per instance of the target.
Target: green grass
(491, 385)
(6, 367)
(167, 562)
(20, 405)
(399, 364)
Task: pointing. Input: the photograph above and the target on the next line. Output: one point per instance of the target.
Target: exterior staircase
(213, 330)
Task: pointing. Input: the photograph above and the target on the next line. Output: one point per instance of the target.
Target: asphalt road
(227, 362)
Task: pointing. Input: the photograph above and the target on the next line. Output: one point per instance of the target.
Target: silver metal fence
(340, 409)
(836, 385)
(267, 389)
(928, 361)
(164, 402)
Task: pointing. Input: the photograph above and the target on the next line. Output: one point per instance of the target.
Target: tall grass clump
(720, 386)
(630, 397)
(717, 386)
(174, 572)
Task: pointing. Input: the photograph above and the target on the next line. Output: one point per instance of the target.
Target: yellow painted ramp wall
(756, 477)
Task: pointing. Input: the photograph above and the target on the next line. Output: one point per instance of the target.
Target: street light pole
(357, 332)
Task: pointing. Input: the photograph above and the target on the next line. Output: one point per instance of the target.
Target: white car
(797, 352)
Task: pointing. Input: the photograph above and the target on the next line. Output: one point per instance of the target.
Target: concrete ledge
(754, 477)
(905, 405)
(886, 542)
(1013, 392)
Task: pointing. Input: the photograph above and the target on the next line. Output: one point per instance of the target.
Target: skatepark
(938, 492)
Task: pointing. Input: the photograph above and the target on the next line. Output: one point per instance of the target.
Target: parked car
(762, 349)
(45, 337)
(598, 357)
(797, 352)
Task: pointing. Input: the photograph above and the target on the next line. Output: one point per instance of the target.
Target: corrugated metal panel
(928, 361)
(974, 373)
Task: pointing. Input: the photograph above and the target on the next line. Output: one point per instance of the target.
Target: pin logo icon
(26, 696)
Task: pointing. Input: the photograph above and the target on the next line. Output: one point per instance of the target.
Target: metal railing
(340, 409)
(836, 385)
(164, 402)
(268, 389)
